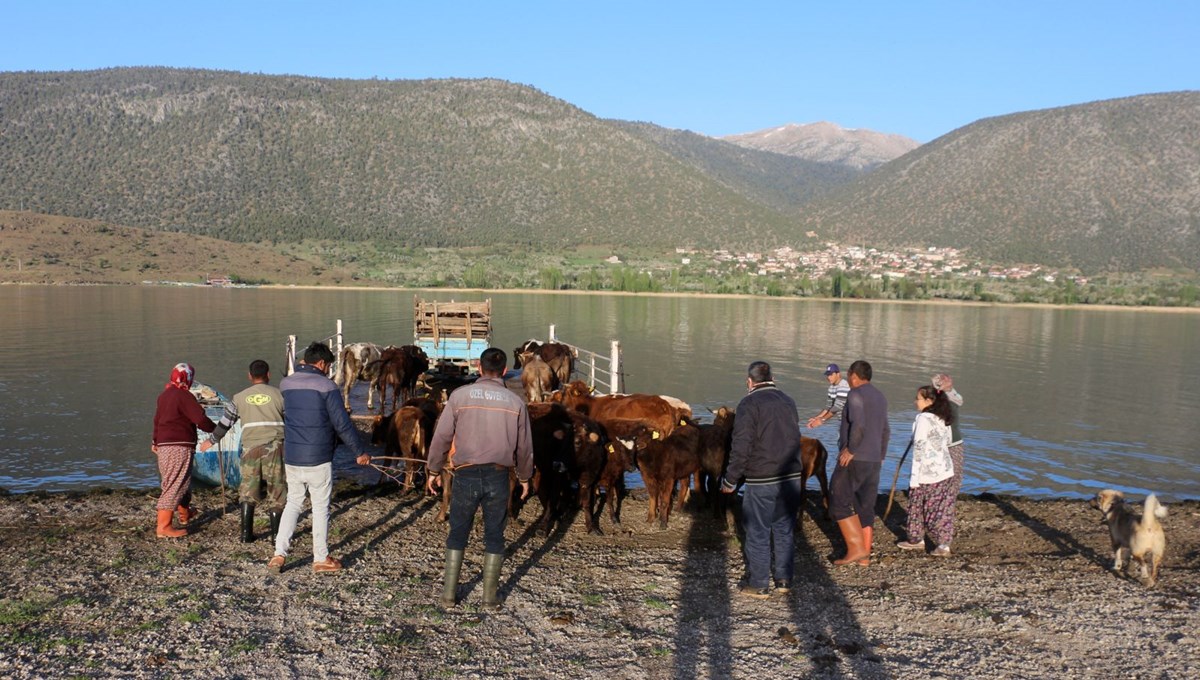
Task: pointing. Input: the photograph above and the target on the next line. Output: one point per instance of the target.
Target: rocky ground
(87, 590)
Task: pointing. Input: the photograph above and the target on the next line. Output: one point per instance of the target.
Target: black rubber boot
(454, 560)
(275, 516)
(247, 522)
(491, 579)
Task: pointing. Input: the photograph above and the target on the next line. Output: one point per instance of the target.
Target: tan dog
(1141, 538)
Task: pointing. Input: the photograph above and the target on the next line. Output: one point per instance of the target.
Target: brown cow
(652, 410)
(353, 366)
(538, 379)
(400, 367)
(662, 461)
(558, 356)
(403, 434)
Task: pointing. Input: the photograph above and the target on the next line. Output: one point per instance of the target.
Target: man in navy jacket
(314, 419)
(765, 452)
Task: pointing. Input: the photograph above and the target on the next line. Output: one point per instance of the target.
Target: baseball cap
(831, 369)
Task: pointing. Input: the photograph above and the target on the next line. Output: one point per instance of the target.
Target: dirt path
(88, 591)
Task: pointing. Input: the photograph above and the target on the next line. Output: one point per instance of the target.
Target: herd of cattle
(583, 444)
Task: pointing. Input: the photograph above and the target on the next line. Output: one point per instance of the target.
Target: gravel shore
(88, 591)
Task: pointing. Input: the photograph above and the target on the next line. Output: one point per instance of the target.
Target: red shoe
(184, 514)
(164, 528)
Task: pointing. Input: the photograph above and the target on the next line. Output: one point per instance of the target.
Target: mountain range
(828, 143)
(466, 162)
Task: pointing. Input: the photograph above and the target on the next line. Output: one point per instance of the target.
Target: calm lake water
(1059, 402)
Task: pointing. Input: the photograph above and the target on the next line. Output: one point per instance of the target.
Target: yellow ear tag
(609, 448)
(682, 422)
(654, 435)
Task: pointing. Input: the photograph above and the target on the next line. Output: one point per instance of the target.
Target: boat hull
(223, 461)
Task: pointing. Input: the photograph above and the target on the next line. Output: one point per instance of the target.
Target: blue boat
(225, 459)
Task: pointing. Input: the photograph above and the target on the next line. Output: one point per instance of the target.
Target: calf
(813, 457)
(561, 360)
(551, 432)
(403, 434)
(589, 465)
(664, 460)
(715, 441)
(353, 366)
(538, 379)
(400, 367)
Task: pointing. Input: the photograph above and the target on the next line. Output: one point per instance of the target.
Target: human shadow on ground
(418, 503)
(703, 619)
(1065, 543)
(553, 538)
(826, 628)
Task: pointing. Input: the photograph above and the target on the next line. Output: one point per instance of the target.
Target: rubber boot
(852, 533)
(491, 579)
(454, 560)
(868, 535)
(247, 522)
(275, 516)
(164, 528)
(184, 514)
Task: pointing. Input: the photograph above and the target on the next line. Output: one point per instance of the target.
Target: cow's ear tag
(654, 435)
(682, 422)
(609, 448)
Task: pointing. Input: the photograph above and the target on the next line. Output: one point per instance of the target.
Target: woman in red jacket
(175, 422)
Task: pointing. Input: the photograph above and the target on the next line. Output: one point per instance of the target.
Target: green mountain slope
(1102, 186)
(446, 162)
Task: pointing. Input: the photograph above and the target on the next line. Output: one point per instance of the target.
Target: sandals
(275, 566)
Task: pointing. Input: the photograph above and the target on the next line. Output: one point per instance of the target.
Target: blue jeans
(769, 511)
(477, 485)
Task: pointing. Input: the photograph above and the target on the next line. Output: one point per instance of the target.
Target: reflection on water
(1059, 402)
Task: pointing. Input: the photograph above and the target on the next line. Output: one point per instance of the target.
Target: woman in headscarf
(175, 422)
(943, 383)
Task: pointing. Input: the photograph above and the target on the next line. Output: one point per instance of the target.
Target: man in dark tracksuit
(766, 452)
(485, 427)
(862, 444)
(315, 418)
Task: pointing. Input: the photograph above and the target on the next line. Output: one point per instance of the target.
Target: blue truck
(453, 334)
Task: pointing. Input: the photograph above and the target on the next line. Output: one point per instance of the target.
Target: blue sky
(919, 69)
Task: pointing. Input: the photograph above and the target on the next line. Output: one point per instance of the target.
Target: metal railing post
(290, 355)
(615, 366)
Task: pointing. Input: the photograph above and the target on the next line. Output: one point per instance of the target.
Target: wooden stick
(896, 479)
(221, 465)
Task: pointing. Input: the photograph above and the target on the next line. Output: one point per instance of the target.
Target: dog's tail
(1153, 509)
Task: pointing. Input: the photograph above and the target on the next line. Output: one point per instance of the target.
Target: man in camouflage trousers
(260, 408)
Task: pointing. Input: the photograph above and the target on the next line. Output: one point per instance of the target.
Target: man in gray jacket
(862, 444)
(766, 453)
(485, 428)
